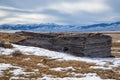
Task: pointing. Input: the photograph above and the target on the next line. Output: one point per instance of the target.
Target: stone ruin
(78, 44)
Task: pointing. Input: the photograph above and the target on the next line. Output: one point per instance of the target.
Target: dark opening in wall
(65, 49)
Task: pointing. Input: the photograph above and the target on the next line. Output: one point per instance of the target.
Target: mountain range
(50, 27)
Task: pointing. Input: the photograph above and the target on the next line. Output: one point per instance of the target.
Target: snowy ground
(101, 63)
(62, 56)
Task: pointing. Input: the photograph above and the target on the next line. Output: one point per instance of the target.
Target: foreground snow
(102, 63)
(17, 70)
(89, 76)
(48, 78)
(60, 69)
(4, 67)
(59, 55)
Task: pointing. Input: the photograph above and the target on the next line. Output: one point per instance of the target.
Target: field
(36, 63)
(115, 43)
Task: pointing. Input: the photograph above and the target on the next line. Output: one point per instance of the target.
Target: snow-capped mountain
(62, 28)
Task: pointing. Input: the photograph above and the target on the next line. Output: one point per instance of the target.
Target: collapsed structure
(79, 44)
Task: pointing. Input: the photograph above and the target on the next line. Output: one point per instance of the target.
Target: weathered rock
(79, 44)
(1, 45)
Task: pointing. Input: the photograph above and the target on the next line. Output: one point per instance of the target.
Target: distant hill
(62, 28)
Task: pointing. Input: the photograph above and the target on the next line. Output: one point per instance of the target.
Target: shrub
(8, 45)
(17, 53)
(5, 43)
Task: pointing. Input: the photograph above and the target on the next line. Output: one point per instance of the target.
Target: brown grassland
(18, 59)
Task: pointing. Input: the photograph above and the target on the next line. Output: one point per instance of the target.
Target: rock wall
(79, 44)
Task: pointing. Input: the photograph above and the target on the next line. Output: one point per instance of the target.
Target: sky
(66, 12)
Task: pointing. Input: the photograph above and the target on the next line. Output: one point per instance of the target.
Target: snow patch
(4, 66)
(63, 69)
(118, 41)
(61, 56)
(5, 51)
(84, 75)
(89, 76)
(41, 65)
(17, 71)
(101, 67)
(26, 59)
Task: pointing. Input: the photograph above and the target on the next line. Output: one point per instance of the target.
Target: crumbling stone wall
(79, 44)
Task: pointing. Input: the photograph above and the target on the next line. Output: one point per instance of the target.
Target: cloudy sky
(82, 12)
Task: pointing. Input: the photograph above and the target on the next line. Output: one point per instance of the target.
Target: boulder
(79, 44)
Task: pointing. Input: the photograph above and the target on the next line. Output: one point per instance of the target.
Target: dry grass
(115, 45)
(117, 55)
(16, 53)
(107, 74)
(115, 36)
(8, 45)
(11, 37)
(31, 64)
(34, 60)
